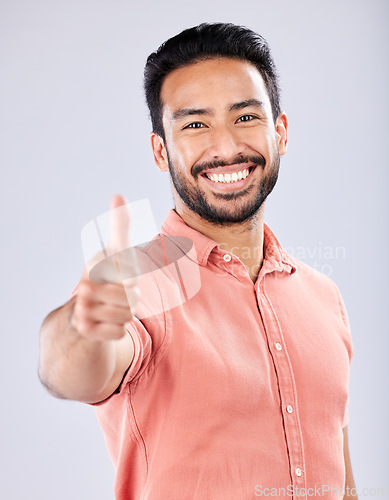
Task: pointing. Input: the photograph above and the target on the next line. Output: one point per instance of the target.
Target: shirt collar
(274, 255)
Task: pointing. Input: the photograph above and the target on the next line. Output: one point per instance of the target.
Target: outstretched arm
(84, 347)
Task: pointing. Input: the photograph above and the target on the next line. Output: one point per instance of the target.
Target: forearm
(350, 489)
(349, 495)
(72, 366)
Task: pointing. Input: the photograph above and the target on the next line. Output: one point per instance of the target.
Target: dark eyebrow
(183, 112)
(246, 104)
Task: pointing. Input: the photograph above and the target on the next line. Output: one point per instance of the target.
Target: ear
(159, 152)
(282, 133)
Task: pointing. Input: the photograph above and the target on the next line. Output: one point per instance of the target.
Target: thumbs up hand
(103, 305)
(118, 261)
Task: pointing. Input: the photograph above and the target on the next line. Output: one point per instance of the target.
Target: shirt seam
(345, 320)
(137, 433)
(140, 374)
(138, 379)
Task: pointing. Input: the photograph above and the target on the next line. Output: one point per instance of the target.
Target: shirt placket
(287, 391)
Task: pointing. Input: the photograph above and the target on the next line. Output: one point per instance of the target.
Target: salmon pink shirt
(237, 389)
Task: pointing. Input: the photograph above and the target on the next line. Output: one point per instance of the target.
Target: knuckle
(81, 309)
(87, 288)
(82, 319)
(86, 328)
(118, 333)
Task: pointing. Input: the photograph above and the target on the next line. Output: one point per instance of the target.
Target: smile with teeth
(229, 178)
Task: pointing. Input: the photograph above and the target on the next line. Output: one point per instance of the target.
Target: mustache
(198, 168)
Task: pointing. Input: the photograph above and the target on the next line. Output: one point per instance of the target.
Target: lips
(229, 178)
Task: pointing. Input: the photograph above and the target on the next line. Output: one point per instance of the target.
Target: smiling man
(222, 147)
(221, 144)
(240, 390)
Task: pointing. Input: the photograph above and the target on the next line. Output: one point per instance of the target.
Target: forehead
(217, 82)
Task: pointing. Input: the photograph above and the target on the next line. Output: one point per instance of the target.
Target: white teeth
(228, 178)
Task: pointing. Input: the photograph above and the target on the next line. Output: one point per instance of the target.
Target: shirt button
(289, 408)
(298, 472)
(226, 257)
(278, 346)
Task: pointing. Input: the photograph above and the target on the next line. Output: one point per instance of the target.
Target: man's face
(221, 145)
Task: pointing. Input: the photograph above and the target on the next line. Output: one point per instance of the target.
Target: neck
(245, 240)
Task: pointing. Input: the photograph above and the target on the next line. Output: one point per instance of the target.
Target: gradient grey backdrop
(75, 130)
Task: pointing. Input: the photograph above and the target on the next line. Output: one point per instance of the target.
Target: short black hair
(205, 41)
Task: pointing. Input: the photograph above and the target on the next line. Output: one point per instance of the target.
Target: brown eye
(194, 125)
(246, 118)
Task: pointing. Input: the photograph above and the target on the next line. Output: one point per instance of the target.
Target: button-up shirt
(237, 389)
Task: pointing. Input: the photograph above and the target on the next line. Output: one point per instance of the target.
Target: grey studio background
(75, 131)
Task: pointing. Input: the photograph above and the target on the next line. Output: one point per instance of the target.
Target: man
(240, 389)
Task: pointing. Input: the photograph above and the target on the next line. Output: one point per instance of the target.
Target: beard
(243, 205)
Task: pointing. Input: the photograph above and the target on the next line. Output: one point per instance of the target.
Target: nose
(224, 143)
